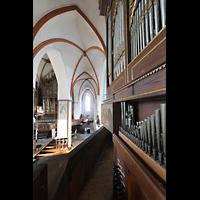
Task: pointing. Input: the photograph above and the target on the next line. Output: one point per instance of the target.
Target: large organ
(47, 95)
(136, 90)
(135, 28)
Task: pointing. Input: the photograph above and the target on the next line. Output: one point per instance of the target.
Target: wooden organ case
(136, 87)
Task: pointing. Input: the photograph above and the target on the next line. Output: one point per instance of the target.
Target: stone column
(64, 120)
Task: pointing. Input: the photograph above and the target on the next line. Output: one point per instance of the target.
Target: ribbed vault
(85, 63)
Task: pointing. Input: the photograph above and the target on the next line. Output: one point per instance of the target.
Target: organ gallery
(99, 99)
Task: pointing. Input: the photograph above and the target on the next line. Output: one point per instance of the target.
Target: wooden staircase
(55, 147)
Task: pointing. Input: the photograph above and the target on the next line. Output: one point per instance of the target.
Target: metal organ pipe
(143, 17)
(146, 23)
(123, 46)
(148, 134)
(163, 124)
(163, 12)
(137, 25)
(118, 40)
(134, 38)
(148, 19)
(150, 9)
(109, 49)
(157, 16)
(140, 28)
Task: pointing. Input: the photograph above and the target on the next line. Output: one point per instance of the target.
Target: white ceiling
(72, 27)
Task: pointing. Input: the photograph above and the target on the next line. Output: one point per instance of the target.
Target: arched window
(87, 103)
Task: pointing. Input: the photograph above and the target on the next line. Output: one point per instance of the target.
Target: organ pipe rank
(148, 134)
(148, 19)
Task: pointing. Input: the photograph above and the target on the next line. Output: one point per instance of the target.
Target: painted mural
(107, 116)
(62, 110)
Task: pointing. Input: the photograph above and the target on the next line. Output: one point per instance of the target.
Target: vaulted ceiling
(78, 32)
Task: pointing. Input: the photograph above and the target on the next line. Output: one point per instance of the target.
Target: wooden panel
(152, 187)
(118, 82)
(154, 59)
(154, 82)
(134, 190)
(40, 182)
(151, 84)
(151, 94)
(123, 93)
(116, 117)
(144, 109)
(77, 172)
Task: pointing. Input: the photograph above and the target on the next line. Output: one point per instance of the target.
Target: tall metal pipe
(163, 124)
(146, 22)
(143, 27)
(122, 25)
(163, 12)
(145, 131)
(157, 121)
(135, 38)
(153, 130)
(149, 130)
(157, 16)
(138, 43)
(131, 42)
(146, 137)
(142, 135)
(150, 7)
(140, 26)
